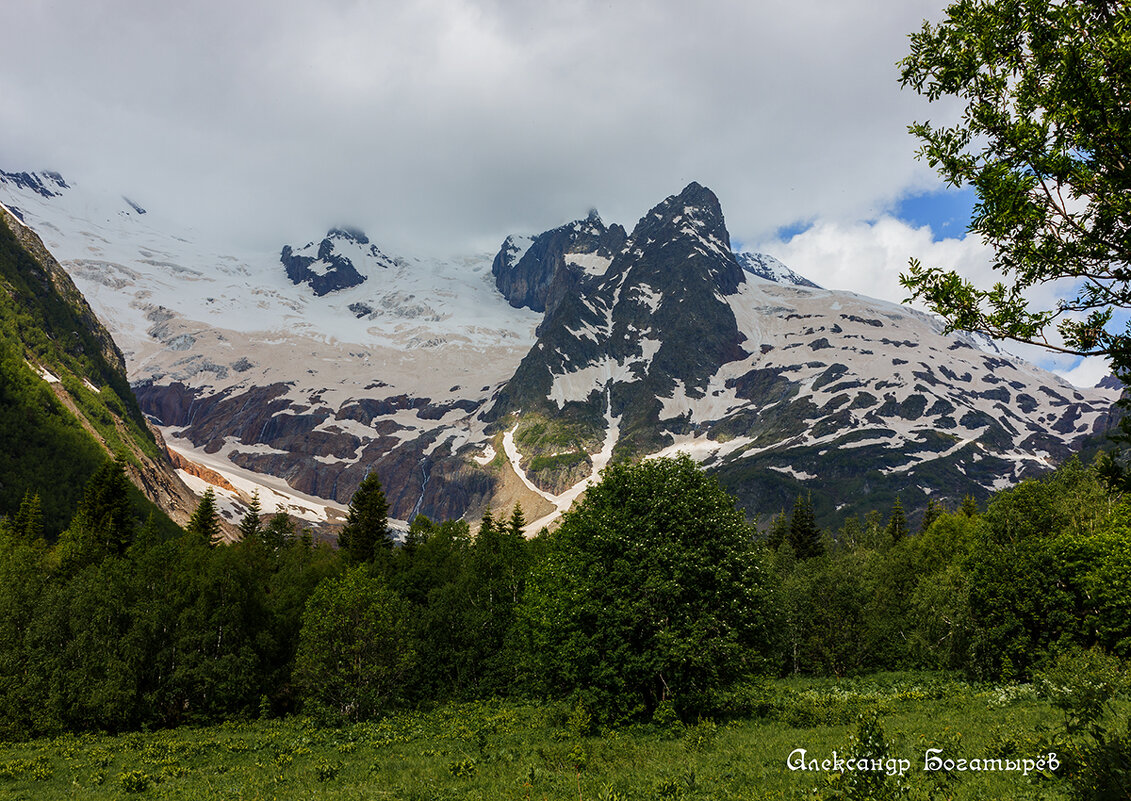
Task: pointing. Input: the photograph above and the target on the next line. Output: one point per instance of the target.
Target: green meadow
(503, 750)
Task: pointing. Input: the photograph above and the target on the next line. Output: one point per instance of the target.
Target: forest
(654, 600)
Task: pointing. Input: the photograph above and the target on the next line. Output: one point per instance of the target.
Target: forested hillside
(66, 406)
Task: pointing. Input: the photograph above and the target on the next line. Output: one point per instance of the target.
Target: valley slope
(65, 402)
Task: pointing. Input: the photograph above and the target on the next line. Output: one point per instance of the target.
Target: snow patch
(485, 458)
(43, 372)
(789, 471)
(591, 263)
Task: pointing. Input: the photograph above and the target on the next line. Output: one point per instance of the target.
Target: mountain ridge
(443, 379)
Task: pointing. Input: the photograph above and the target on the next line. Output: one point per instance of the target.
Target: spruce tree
(104, 524)
(250, 525)
(204, 523)
(366, 532)
(278, 530)
(28, 523)
(934, 512)
(897, 524)
(779, 530)
(969, 506)
(516, 523)
(486, 523)
(804, 535)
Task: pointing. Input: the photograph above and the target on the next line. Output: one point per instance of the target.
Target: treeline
(996, 594)
(653, 597)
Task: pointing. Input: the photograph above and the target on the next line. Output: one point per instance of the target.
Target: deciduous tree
(1045, 140)
(651, 591)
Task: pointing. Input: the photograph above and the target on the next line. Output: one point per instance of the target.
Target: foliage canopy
(652, 592)
(1045, 140)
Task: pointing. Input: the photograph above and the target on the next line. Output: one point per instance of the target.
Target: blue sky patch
(946, 211)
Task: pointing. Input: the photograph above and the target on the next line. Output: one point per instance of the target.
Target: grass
(501, 751)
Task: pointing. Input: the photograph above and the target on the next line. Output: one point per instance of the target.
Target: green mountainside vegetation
(65, 403)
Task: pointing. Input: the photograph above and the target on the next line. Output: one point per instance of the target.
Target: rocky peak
(1111, 382)
(651, 321)
(767, 267)
(332, 264)
(686, 234)
(46, 184)
(348, 234)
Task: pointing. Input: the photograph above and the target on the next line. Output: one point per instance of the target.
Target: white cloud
(1086, 372)
(868, 257)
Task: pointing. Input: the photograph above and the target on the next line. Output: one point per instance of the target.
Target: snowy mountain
(260, 376)
(762, 265)
(777, 384)
(481, 380)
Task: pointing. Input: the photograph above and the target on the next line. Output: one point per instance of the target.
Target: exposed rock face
(320, 451)
(655, 320)
(200, 471)
(537, 272)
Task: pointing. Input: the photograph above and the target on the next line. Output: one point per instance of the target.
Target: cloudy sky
(443, 125)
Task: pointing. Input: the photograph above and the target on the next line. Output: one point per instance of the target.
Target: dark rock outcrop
(326, 268)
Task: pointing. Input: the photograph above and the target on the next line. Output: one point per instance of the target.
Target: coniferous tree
(149, 535)
(969, 506)
(366, 532)
(204, 523)
(104, 524)
(778, 531)
(516, 523)
(897, 524)
(487, 522)
(277, 532)
(933, 512)
(27, 525)
(250, 525)
(804, 535)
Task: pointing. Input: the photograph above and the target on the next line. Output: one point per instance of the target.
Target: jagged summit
(652, 321)
(538, 272)
(348, 233)
(45, 183)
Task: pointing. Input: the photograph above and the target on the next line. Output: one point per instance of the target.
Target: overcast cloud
(443, 125)
(450, 121)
